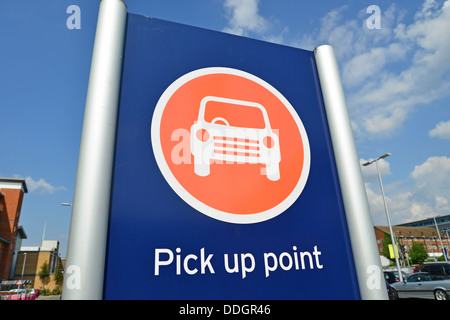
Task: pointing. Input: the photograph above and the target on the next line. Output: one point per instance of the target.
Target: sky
(392, 55)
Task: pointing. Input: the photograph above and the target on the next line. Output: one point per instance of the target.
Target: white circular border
(184, 194)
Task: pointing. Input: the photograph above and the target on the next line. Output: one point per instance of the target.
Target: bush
(441, 258)
(45, 292)
(56, 291)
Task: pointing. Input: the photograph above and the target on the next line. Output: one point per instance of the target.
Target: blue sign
(225, 185)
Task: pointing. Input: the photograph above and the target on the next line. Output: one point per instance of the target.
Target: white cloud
(389, 72)
(431, 192)
(427, 8)
(433, 175)
(40, 186)
(243, 17)
(442, 204)
(370, 172)
(427, 196)
(370, 64)
(399, 204)
(442, 130)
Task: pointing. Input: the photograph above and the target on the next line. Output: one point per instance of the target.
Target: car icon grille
(242, 149)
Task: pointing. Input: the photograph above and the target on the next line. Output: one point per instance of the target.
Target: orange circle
(236, 188)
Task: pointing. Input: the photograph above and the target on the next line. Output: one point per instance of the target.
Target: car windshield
(234, 115)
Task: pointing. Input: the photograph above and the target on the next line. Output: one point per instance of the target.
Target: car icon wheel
(202, 169)
(273, 171)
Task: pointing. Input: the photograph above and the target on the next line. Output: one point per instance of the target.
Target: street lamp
(23, 266)
(387, 212)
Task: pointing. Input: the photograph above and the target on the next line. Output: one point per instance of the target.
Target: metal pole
(394, 243)
(447, 244)
(406, 254)
(359, 221)
(440, 240)
(23, 265)
(86, 252)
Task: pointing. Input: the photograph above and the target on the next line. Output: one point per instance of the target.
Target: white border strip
(360, 226)
(89, 223)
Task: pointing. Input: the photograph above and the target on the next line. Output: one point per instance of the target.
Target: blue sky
(396, 80)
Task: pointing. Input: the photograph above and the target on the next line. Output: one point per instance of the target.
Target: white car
(234, 131)
(17, 291)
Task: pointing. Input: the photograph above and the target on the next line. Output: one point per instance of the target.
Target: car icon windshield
(233, 114)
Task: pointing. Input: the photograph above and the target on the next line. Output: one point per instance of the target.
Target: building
(443, 223)
(12, 191)
(31, 259)
(428, 236)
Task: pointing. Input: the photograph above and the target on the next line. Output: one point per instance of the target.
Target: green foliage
(386, 242)
(418, 253)
(59, 276)
(45, 292)
(56, 291)
(441, 258)
(44, 272)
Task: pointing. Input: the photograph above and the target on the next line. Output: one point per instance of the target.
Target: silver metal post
(90, 211)
(359, 221)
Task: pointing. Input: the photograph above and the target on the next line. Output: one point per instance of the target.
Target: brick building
(428, 236)
(12, 191)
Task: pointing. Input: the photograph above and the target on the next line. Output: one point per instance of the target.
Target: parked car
(390, 291)
(437, 270)
(392, 276)
(17, 291)
(421, 285)
(31, 291)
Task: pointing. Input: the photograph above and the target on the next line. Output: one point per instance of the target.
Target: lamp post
(23, 267)
(387, 212)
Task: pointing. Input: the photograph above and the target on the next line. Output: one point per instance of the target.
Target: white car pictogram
(234, 131)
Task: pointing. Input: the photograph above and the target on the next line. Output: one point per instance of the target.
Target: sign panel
(225, 184)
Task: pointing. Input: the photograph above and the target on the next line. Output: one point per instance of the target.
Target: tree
(418, 253)
(44, 273)
(59, 276)
(386, 242)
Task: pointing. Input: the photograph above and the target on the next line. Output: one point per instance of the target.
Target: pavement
(54, 297)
